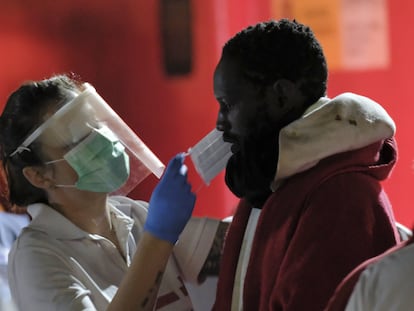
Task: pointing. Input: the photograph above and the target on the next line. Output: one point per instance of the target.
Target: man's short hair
(286, 49)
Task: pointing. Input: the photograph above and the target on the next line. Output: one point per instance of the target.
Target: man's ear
(284, 87)
(282, 90)
(36, 177)
(288, 92)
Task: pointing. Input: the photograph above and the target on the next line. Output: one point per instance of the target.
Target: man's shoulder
(386, 283)
(393, 267)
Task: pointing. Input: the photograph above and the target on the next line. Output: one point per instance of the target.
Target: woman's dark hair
(23, 113)
(286, 49)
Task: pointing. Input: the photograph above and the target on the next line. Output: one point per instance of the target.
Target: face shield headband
(73, 122)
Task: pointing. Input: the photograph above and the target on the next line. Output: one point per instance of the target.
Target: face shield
(82, 130)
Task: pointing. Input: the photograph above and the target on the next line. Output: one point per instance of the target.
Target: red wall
(392, 88)
(117, 48)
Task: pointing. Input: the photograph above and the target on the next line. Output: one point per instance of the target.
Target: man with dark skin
(307, 169)
(242, 104)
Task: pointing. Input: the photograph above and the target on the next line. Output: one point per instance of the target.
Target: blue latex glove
(171, 203)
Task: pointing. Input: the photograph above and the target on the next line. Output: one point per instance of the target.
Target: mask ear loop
(201, 186)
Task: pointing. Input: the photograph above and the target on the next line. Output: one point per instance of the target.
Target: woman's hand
(171, 203)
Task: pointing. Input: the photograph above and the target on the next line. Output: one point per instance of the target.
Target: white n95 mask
(210, 155)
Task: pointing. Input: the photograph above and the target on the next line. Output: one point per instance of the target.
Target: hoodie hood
(330, 126)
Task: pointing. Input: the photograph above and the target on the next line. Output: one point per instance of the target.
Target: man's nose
(222, 123)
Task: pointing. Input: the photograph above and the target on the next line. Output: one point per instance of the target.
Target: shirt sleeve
(194, 245)
(344, 222)
(44, 281)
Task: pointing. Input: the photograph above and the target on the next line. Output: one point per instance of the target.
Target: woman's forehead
(69, 127)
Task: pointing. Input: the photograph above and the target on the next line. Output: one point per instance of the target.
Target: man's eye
(225, 105)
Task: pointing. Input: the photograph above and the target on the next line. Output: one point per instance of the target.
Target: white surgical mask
(210, 155)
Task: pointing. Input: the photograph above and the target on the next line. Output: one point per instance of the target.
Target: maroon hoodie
(313, 230)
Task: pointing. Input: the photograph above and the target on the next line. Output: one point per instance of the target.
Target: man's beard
(250, 171)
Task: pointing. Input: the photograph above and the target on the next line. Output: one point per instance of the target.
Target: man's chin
(234, 176)
(235, 148)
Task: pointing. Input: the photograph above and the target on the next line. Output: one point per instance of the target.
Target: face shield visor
(84, 129)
